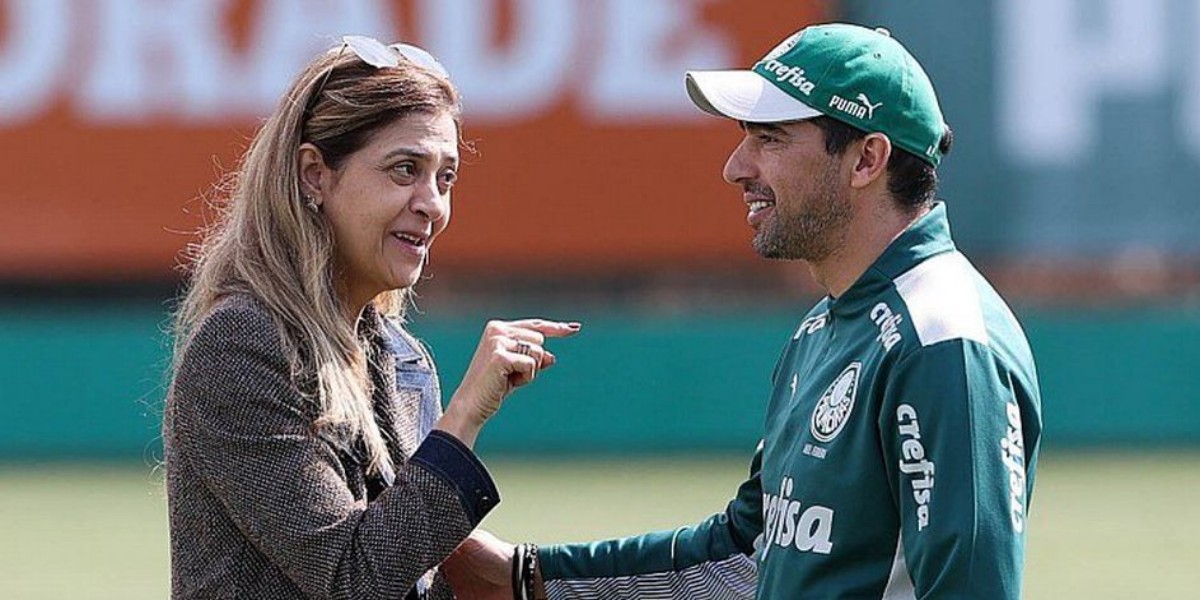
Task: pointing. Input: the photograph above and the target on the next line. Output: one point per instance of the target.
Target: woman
(306, 451)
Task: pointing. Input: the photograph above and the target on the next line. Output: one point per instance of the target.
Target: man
(903, 426)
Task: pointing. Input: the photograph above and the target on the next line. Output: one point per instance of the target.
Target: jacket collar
(927, 237)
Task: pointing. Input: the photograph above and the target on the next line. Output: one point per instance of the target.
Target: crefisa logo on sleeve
(833, 409)
(914, 463)
(1012, 454)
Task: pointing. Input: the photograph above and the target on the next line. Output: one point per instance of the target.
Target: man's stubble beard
(810, 232)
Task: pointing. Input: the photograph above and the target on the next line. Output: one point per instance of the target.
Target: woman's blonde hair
(267, 243)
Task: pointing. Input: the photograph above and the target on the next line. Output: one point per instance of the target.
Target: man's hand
(481, 568)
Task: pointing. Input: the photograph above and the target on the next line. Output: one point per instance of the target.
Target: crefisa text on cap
(792, 75)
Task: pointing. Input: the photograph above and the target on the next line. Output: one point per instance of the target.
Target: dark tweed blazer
(261, 507)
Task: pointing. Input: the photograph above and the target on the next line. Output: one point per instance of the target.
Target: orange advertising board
(118, 116)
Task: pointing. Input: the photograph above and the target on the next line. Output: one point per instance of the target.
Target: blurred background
(595, 194)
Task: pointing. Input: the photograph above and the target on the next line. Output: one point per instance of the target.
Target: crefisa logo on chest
(833, 409)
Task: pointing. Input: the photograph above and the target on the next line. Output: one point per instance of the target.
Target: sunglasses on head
(375, 53)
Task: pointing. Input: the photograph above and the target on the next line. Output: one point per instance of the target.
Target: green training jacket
(897, 461)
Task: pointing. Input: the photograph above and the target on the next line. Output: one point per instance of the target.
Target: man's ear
(873, 154)
(315, 176)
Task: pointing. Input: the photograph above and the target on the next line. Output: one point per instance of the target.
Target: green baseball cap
(862, 77)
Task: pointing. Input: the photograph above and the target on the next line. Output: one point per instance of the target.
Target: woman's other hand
(510, 355)
(481, 568)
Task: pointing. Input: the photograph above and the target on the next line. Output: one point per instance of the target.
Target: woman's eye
(448, 178)
(405, 171)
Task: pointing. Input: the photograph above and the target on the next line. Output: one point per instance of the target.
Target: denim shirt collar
(415, 369)
(404, 347)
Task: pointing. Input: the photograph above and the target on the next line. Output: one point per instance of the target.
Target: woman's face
(388, 201)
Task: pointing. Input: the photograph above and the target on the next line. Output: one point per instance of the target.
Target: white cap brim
(744, 96)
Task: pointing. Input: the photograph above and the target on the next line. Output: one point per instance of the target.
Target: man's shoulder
(946, 299)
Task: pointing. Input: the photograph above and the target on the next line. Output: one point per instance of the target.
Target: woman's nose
(429, 201)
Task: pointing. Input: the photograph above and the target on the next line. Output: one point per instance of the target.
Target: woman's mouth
(414, 241)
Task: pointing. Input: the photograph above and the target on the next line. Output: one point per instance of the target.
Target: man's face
(798, 206)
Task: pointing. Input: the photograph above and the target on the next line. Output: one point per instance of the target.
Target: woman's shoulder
(236, 319)
(233, 364)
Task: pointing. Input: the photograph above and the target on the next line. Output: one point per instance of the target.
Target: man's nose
(737, 168)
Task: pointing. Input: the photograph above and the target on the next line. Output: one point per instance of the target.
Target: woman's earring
(311, 203)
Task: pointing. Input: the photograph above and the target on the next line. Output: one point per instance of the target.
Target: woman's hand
(481, 568)
(510, 355)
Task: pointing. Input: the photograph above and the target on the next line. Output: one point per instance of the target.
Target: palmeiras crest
(835, 405)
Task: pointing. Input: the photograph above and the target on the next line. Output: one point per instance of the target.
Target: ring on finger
(524, 348)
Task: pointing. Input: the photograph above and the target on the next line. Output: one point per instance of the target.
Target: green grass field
(1103, 525)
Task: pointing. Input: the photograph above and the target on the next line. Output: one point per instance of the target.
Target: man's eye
(448, 178)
